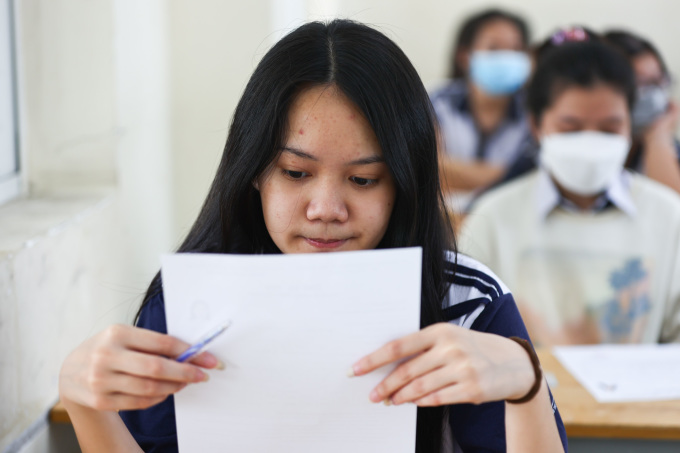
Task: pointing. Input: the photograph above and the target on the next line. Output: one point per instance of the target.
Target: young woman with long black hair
(333, 148)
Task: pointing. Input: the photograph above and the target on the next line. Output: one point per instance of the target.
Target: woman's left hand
(447, 364)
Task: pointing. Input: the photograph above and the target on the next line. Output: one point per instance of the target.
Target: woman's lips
(325, 243)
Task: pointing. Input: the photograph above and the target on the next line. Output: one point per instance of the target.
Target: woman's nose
(327, 203)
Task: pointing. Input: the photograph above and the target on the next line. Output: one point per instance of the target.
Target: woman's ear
(256, 184)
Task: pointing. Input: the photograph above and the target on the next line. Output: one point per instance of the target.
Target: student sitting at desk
(481, 110)
(591, 250)
(654, 152)
(333, 148)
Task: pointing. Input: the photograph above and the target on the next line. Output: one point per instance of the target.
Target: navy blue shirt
(476, 300)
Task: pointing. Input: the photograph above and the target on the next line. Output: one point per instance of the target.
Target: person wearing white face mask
(592, 249)
(655, 151)
(480, 110)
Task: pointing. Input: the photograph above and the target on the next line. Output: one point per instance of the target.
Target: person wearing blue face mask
(655, 151)
(591, 249)
(481, 110)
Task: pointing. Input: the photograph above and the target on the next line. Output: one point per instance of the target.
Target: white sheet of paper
(622, 373)
(298, 323)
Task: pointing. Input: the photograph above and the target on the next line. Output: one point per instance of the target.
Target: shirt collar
(618, 195)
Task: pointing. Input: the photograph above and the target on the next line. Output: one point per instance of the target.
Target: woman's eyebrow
(570, 119)
(367, 160)
(300, 153)
(375, 159)
(613, 119)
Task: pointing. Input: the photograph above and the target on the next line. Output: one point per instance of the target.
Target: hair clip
(573, 34)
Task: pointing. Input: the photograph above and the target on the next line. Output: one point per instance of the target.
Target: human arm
(122, 368)
(457, 174)
(660, 154)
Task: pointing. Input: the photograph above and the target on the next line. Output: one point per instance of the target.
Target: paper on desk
(622, 373)
(299, 322)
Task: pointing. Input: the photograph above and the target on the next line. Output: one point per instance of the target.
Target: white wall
(77, 252)
(67, 102)
(215, 45)
(144, 165)
(425, 28)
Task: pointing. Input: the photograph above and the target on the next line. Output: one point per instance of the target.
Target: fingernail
(354, 370)
(220, 365)
(374, 396)
(201, 376)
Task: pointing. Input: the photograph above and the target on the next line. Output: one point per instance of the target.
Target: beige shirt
(578, 278)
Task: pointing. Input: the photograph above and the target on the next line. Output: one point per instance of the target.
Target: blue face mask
(499, 72)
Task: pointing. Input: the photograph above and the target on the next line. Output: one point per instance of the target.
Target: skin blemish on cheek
(301, 132)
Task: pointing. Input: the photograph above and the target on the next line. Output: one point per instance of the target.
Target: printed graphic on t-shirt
(573, 298)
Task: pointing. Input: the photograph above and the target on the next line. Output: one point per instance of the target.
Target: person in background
(592, 250)
(481, 110)
(655, 151)
(527, 158)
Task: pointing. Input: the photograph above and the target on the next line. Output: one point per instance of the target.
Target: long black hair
(471, 27)
(378, 78)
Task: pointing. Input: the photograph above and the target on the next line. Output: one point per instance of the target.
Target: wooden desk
(584, 417)
(58, 414)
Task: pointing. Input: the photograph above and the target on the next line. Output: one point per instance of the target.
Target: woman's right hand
(125, 367)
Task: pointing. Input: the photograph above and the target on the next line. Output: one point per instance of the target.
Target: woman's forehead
(322, 118)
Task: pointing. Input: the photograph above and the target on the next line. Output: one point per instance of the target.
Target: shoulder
(647, 190)
(471, 279)
(476, 294)
(152, 313)
(506, 200)
(452, 88)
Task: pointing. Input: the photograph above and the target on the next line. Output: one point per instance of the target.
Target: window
(9, 143)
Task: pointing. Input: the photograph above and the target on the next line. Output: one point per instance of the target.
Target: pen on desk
(198, 347)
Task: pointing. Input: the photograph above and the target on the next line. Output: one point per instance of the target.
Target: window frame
(10, 179)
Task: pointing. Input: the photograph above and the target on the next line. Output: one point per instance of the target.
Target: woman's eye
(294, 174)
(363, 182)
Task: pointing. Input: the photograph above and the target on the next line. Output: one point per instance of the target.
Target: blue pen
(202, 343)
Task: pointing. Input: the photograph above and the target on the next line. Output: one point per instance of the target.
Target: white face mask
(584, 162)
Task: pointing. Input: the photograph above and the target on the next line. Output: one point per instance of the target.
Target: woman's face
(599, 108)
(498, 34)
(329, 189)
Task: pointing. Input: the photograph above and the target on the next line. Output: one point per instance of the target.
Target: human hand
(125, 367)
(662, 130)
(447, 364)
